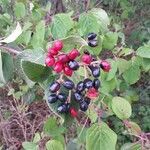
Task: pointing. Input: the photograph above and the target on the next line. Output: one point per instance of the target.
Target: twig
(10, 50)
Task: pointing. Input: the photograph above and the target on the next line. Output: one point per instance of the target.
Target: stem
(69, 97)
(85, 72)
(10, 50)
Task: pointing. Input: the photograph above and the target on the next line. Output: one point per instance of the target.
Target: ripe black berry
(63, 108)
(77, 96)
(80, 86)
(62, 97)
(88, 83)
(54, 87)
(83, 106)
(68, 84)
(91, 36)
(52, 98)
(87, 100)
(73, 65)
(93, 43)
(96, 71)
(96, 84)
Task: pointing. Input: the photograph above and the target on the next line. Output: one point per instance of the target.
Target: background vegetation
(27, 28)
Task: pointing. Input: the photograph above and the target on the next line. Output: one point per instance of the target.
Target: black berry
(52, 98)
(80, 86)
(96, 83)
(68, 84)
(93, 43)
(62, 97)
(96, 71)
(73, 65)
(63, 108)
(54, 87)
(91, 36)
(83, 106)
(88, 83)
(77, 96)
(87, 100)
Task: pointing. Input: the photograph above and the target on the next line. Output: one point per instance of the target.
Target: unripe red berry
(87, 59)
(73, 54)
(49, 61)
(63, 58)
(68, 71)
(58, 67)
(58, 45)
(92, 93)
(73, 112)
(105, 65)
(52, 51)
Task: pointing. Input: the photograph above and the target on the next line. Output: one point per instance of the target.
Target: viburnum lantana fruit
(105, 65)
(64, 91)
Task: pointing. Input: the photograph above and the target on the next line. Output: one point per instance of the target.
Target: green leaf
(33, 55)
(6, 67)
(38, 36)
(143, 51)
(122, 65)
(102, 18)
(51, 127)
(35, 72)
(131, 146)
(132, 75)
(110, 40)
(100, 137)
(54, 145)
(19, 10)
(88, 23)
(29, 146)
(146, 64)
(113, 70)
(121, 108)
(61, 25)
(37, 137)
(134, 128)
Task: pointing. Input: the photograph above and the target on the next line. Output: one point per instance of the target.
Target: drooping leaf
(37, 137)
(54, 145)
(102, 18)
(6, 67)
(100, 137)
(121, 108)
(134, 128)
(13, 36)
(143, 51)
(30, 146)
(61, 25)
(38, 36)
(110, 40)
(132, 75)
(88, 23)
(35, 72)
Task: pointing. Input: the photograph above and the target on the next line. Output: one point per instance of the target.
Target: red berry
(52, 51)
(73, 112)
(58, 45)
(73, 54)
(86, 59)
(58, 67)
(63, 58)
(92, 93)
(105, 65)
(49, 61)
(68, 71)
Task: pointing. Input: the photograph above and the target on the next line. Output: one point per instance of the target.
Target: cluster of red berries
(61, 61)
(83, 91)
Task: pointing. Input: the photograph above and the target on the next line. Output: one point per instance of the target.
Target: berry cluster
(82, 92)
(61, 61)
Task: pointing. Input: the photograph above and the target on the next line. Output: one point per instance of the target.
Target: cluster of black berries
(92, 39)
(83, 91)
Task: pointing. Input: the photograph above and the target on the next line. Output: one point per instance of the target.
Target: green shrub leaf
(19, 10)
(54, 145)
(100, 137)
(121, 108)
(143, 51)
(29, 146)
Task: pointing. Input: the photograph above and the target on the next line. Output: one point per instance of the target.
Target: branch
(10, 50)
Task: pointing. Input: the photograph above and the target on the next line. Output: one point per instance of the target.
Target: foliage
(28, 31)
